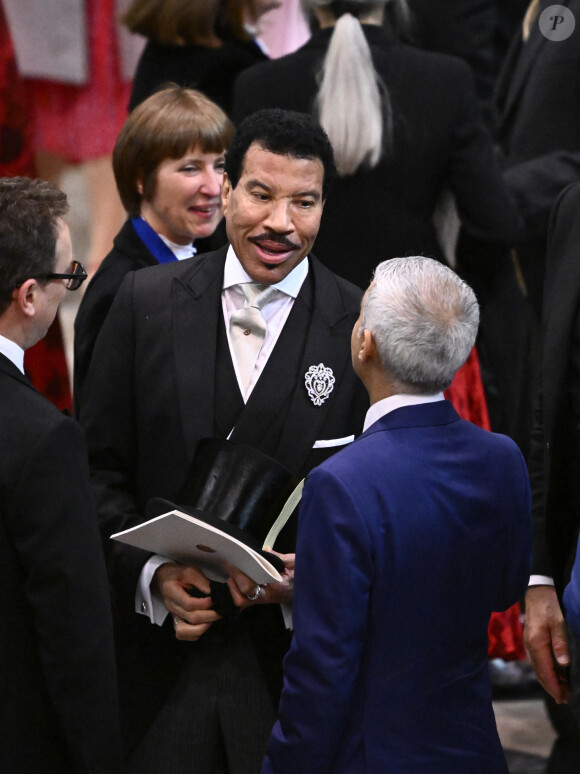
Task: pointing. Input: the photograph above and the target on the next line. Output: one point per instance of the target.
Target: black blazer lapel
(196, 309)
(520, 60)
(7, 367)
(326, 343)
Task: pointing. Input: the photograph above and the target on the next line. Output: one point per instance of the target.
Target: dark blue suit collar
(421, 415)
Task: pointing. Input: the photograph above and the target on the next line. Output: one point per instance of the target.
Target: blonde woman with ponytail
(405, 126)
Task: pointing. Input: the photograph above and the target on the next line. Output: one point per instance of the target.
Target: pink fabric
(284, 29)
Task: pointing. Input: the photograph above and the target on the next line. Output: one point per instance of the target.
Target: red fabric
(15, 148)
(45, 365)
(505, 631)
(506, 635)
(467, 395)
(82, 122)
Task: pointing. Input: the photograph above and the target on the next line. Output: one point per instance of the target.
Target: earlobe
(368, 344)
(226, 190)
(25, 297)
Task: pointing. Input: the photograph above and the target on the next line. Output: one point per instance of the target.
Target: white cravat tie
(248, 327)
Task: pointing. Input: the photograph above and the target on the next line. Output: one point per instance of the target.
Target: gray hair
(424, 321)
(353, 103)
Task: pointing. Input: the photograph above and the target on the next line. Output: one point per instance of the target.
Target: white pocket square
(326, 444)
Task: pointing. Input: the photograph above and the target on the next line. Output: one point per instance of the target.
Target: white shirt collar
(179, 251)
(386, 405)
(235, 274)
(253, 31)
(13, 352)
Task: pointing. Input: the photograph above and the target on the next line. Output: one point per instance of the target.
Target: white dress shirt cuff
(147, 602)
(540, 580)
(287, 615)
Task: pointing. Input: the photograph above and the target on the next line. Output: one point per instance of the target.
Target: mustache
(278, 239)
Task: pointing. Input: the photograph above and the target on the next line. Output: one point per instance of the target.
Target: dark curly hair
(285, 132)
(29, 214)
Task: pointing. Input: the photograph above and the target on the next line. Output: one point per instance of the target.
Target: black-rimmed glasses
(75, 277)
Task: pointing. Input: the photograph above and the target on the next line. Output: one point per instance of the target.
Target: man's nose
(279, 218)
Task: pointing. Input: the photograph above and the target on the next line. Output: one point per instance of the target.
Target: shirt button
(143, 607)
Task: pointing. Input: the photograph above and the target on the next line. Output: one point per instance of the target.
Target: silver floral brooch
(319, 381)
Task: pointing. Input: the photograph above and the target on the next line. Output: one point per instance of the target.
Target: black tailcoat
(554, 464)
(57, 676)
(156, 386)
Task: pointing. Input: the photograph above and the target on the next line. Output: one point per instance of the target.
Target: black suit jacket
(538, 120)
(59, 707)
(151, 396)
(129, 253)
(478, 31)
(209, 70)
(555, 434)
(464, 28)
(439, 141)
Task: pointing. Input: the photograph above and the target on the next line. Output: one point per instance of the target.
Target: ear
(139, 185)
(26, 296)
(367, 349)
(226, 192)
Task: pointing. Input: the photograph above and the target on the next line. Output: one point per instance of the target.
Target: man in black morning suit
(555, 460)
(164, 375)
(58, 710)
(538, 129)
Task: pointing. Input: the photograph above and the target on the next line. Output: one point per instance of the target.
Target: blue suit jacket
(407, 541)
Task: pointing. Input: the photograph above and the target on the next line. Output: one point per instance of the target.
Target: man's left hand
(242, 588)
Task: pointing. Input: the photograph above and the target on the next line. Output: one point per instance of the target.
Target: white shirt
(181, 252)
(275, 313)
(386, 405)
(13, 352)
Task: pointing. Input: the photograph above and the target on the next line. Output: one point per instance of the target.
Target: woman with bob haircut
(168, 163)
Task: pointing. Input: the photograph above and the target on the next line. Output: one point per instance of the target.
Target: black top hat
(235, 488)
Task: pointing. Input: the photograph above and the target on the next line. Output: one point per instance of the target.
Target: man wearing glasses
(59, 708)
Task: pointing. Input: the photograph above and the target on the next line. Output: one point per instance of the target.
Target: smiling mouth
(205, 210)
(273, 254)
(276, 248)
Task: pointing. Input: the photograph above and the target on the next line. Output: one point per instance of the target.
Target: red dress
(44, 363)
(82, 122)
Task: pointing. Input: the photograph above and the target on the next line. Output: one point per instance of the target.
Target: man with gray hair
(424, 521)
